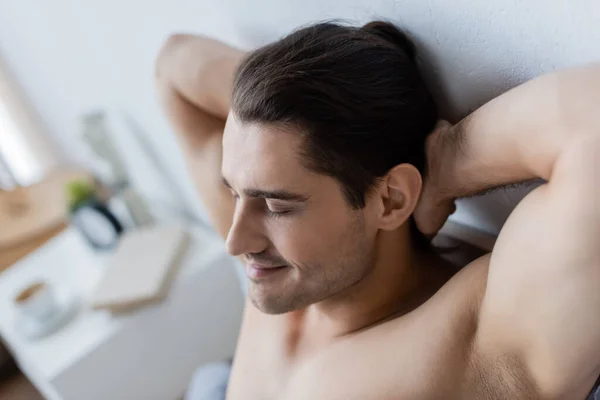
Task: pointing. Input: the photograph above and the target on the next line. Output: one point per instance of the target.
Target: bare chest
(424, 354)
(397, 360)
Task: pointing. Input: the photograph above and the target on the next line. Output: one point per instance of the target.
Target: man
(309, 155)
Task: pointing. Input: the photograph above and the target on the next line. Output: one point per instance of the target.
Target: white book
(142, 267)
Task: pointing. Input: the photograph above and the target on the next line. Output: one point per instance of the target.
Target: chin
(274, 304)
(269, 307)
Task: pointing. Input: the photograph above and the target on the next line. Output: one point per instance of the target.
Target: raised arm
(538, 333)
(518, 136)
(521, 134)
(194, 77)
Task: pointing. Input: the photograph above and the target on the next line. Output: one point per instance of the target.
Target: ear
(398, 195)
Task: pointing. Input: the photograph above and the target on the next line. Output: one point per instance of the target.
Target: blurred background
(85, 148)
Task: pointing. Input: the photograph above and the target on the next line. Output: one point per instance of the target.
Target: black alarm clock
(97, 224)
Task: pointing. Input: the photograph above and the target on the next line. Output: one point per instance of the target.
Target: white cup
(37, 300)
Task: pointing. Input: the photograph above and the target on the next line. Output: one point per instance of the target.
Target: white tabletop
(67, 261)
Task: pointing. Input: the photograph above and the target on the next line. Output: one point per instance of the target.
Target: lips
(262, 266)
(258, 271)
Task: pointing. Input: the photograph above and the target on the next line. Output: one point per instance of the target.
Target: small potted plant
(92, 216)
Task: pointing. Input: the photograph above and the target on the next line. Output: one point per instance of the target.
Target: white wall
(73, 55)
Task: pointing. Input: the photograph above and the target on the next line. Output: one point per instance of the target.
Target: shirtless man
(310, 161)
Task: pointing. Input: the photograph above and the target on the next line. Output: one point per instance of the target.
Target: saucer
(37, 328)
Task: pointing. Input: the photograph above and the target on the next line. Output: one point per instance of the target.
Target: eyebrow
(271, 194)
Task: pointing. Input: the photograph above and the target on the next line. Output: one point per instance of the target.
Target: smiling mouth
(257, 271)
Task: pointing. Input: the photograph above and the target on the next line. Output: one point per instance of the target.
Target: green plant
(78, 192)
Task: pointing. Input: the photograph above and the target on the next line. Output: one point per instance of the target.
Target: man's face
(301, 241)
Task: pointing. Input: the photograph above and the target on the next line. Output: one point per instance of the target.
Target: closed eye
(278, 208)
(278, 214)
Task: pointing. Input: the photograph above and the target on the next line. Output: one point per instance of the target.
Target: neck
(401, 279)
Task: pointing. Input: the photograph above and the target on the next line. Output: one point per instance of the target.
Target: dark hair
(355, 93)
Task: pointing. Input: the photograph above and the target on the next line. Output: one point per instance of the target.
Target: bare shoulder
(423, 354)
(469, 282)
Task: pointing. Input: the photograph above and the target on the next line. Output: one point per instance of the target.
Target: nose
(245, 235)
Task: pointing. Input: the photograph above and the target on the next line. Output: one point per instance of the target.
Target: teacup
(37, 300)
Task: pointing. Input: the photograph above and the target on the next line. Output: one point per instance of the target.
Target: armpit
(504, 377)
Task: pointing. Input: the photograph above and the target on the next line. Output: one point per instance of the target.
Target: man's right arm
(194, 77)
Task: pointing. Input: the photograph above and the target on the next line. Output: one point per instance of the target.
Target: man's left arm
(539, 316)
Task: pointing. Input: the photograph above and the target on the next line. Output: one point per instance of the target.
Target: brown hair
(355, 93)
